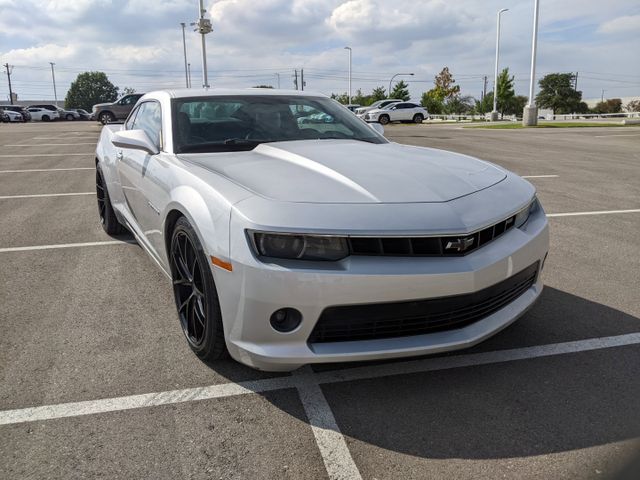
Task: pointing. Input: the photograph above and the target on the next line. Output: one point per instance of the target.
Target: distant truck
(118, 110)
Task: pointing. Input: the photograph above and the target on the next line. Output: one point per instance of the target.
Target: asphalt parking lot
(98, 382)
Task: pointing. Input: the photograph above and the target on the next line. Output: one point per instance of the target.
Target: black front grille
(402, 319)
(428, 246)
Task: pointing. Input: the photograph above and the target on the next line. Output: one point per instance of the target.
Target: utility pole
(575, 85)
(278, 77)
(530, 112)
(484, 87)
(9, 70)
(53, 76)
(302, 79)
(494, 112)
(295, 81)
(349, 48)
(184, 48)
(602, 97)
(203, 27)
(189, 75)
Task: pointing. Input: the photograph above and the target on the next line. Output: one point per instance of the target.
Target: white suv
(43, 114)
(375, 105)
(397, 112)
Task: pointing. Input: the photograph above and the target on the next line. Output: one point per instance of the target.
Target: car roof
(239, 92)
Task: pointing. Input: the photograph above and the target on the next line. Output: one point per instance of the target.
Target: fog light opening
(285, 320)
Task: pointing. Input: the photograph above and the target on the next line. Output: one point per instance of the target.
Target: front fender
(207, 213)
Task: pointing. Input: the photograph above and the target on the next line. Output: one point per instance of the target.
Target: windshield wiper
(241, 141)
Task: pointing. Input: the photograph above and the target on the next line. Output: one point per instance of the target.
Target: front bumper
(254, 290)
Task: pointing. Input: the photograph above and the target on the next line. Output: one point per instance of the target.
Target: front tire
(417, 118)
(69, 117)
(108, 218)
(45, 118)
(195, 294)
(106, 117)
(384, 119)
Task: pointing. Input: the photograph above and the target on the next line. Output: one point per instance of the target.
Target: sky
(138, 43)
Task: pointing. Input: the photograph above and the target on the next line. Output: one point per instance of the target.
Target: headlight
(300, 247)
(523, 215)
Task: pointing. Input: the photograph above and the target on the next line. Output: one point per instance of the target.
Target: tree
(342, 97)
(444, 85)
(633, 106)
(611, 105)
(128, 90)
(400, 91)
(88, 89)
(506, 93)
(558, 93)
(432, 103)
(458, 105)
(379, 93)
(486, 104)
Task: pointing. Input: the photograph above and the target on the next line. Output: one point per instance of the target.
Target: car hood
(102, 105)
(347, 171)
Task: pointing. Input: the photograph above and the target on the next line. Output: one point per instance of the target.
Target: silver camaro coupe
(290, 240)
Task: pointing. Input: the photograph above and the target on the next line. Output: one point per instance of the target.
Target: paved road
(94, 322)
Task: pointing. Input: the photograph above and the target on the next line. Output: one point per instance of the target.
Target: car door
(397, 112)
(140, 175)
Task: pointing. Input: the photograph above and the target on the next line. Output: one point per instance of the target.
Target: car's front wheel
(108, 218)
(69, 117)
(45, 118)
(417, 118)
(383, 119)
(106, 117)
(195, 293)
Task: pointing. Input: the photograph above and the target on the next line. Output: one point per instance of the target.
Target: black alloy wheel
(108, 218)
(195, 294)
(384, 119)
(417, 118)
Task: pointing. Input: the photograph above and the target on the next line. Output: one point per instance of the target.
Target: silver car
(290, 242)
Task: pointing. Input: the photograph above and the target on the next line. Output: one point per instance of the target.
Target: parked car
(14, 116)
(289, 243)
(43, 114)
(83, 114)
(68, 114)
(118, 110)
(397, 112)
(47, 106)
(4, 117)
(379, 104)
(18, 109)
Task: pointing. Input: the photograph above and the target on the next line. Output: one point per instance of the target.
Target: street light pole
(391, 81)
(494, 112)
(184, 48)
(530, 113)
(53, 76)
(349, 48)
(203, 27)
(278, 77)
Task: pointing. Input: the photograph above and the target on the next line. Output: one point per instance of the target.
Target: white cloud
(627, 23)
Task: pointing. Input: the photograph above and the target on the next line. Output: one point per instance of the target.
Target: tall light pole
(203, 26)
(184, 49)
(189, 72)
(53, 76)
(530, 113)
(391, 81)
(349, 48)
(494, 112)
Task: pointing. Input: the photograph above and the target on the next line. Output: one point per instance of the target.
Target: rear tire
(417, 118)
(195, 294)
(69, 117)
(383, 119)
(108, 218)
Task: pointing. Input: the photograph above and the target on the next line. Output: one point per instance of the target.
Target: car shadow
(504, 410)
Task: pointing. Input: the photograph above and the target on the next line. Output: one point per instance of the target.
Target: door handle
(119, 155)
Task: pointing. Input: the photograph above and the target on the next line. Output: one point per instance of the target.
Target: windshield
(232, 123)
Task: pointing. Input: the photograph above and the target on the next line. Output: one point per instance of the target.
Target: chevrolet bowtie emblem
(460, 244)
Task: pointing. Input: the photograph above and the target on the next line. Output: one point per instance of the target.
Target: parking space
(552, 396)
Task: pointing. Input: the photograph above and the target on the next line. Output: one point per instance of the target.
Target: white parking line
(46, 155)
(601, 212)
(50, 144)
(47, 170)
(540, 176)
(66, 245)
(333, 448)
(76, 409)
(6, 197)
(619, 135)
(80, 137)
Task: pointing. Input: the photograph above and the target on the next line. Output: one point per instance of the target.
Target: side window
(128, 125)
(149, 119)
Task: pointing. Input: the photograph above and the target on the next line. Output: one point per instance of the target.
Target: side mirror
(134, 139)
(376, 127)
